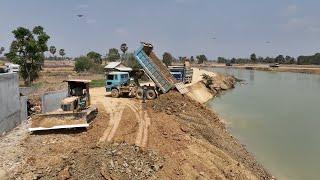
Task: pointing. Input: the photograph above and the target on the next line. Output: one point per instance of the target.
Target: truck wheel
(139, 93)
(115, 93)
(151, 94)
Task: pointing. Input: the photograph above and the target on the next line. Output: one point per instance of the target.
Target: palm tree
(62, 53)
(52, 50)
(1, 50)
(123, 48)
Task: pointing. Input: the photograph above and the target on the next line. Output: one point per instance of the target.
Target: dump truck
(182, 73)
(76, 110)
(120, 83)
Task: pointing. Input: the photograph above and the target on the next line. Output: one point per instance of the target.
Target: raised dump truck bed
(155, 70)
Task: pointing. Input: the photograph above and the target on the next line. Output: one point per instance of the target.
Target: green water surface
(277, 116)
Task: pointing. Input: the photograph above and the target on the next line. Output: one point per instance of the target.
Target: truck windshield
(110, 77)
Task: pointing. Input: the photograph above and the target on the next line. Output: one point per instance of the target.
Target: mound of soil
(203, 123)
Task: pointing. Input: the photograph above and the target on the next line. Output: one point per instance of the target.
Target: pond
(277, 116)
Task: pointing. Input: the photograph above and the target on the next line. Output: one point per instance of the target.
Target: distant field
(55, 64)
(97, 83)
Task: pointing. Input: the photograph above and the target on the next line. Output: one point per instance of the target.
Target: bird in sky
(268, 42)
(80, 15)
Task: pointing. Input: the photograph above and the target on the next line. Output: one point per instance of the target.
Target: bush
(83, 64)
(97, 68)
(207, 80)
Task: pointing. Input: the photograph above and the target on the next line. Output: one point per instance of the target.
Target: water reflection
(251, 75)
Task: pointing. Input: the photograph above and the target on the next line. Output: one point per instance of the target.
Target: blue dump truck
(121, 83)
(182, 73)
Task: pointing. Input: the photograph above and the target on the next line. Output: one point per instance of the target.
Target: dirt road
(118, 110)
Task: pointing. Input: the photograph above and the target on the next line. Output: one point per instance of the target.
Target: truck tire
(115, 93)
(151, 94)
(139, 93)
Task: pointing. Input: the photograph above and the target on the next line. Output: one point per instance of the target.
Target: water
(277, 116)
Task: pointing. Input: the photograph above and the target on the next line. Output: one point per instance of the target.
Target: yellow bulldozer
(76, 110)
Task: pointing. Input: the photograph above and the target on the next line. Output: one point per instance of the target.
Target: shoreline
(199, 93)
(307, 69)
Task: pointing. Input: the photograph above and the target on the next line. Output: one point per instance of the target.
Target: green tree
(167, 59)
(131, 62)
(123, 48)
(289, 60)
(233, 60)
(201, 58)
(52, 50)
(1, 50)
(314, 59)
(62, 53)
(192, 59)
(222, 60)
(113, 54)
(27, 50)
(95, 57)
(83, 64)
(253, 58)
(279, 59)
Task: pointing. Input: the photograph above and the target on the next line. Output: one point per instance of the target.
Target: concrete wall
(26, 91)
(23, 108)
(10, 102)
(51, 101)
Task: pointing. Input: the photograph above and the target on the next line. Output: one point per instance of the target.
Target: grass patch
(97, 83)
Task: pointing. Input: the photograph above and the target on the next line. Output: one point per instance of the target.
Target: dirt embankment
(202, 90)
(203, 124)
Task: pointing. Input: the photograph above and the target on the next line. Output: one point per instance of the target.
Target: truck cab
(177, 75)
(116, 79)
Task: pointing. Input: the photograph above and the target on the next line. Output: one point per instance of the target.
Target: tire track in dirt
(115, 108)
(115, 118)
(144, 123)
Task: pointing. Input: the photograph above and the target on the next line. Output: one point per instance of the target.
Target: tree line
(301, 60)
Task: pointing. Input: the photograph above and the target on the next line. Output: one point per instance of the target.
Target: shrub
(97, 68)
(207, 80)
(83, 64)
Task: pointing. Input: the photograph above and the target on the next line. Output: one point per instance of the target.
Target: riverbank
(309, 69)
(171, 137)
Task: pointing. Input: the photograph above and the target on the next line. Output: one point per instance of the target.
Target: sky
(227, 28)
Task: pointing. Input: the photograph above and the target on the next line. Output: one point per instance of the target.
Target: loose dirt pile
(202, 123)
(221, 83)
(76, 154)
(111, 161)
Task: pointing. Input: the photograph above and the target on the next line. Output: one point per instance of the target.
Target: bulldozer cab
(80, 89)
